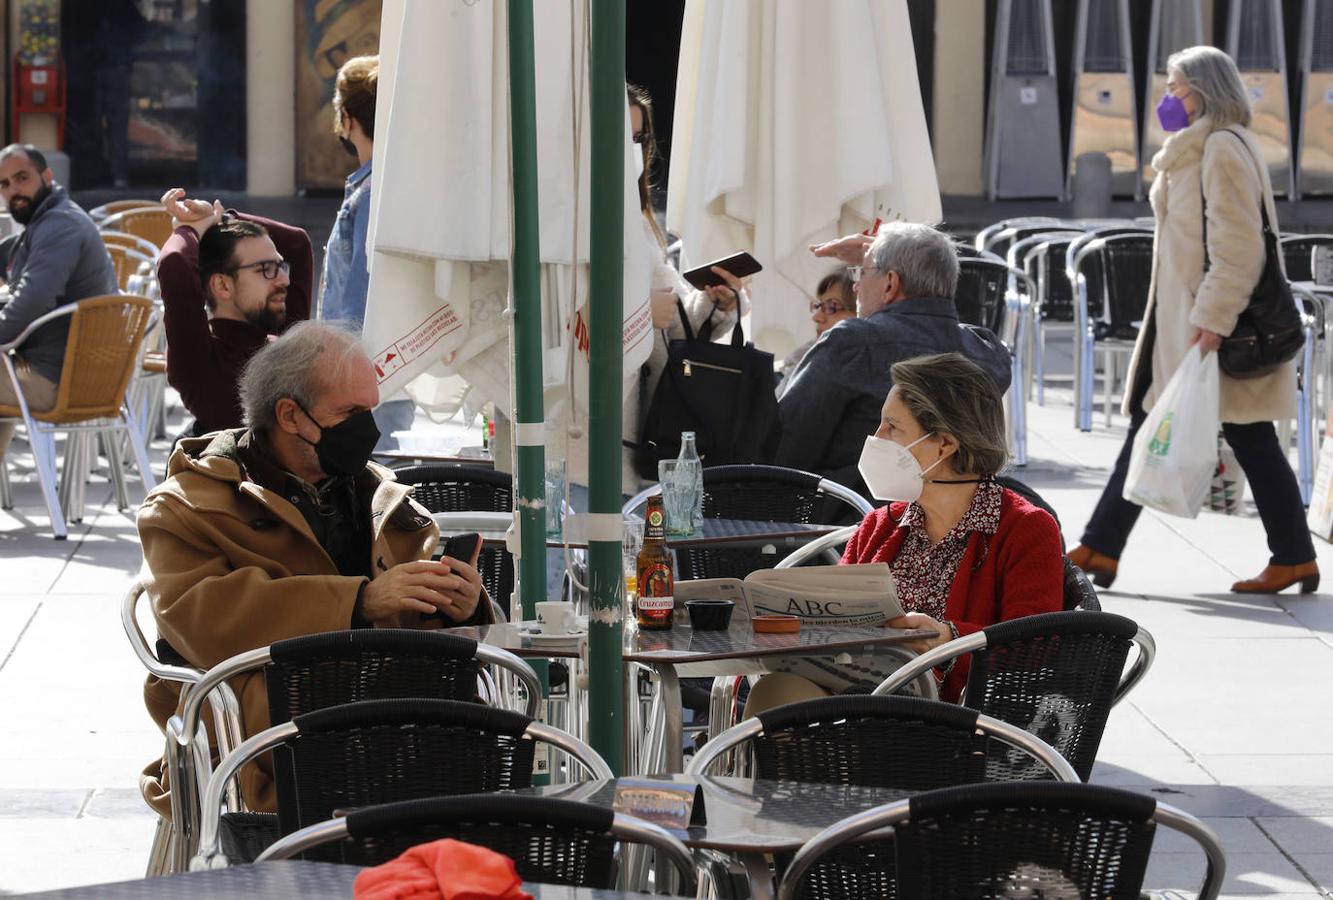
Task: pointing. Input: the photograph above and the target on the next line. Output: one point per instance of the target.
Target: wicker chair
(457, 488)
(153, 224)
(906, 744)
(1042, 258)
(758, 493)
(551, 841)
(1056, 675)
(100, 214)
(997, 840)
(133, 242)
(102, 353)
(329, 669)
(383, 751)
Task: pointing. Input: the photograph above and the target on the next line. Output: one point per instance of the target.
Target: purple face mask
(1171, 113)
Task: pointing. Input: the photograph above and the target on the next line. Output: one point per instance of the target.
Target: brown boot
(1099, 567)
(1274, 579)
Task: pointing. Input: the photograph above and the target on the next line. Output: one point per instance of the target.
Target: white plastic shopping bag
(1175, 453)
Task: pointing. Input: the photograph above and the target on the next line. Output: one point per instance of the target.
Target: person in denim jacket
(346, 262)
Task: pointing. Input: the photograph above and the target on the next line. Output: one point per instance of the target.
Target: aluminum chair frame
(1085, 342)
(170, 849)
(210, 854)
(1025, 255)
(1012, 735)
(1019, 294)
(189, 760)
(990, 235)
(133, 241)
(892, 814)
(1307, 392)
(977, 640)
(115, 221)
(100, 214)
(41, 435)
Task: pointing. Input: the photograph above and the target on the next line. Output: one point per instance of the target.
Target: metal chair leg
(43, 445)
(116, 468)
(159, 852)
(1039, 360)
(6, 492)
(140, 449)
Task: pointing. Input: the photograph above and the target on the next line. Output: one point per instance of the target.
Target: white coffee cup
(556, 616)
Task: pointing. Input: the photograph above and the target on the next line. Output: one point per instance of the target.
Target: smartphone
(738, 264)
(463, 547)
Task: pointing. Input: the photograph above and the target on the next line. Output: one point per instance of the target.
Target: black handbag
(721, 392)
(1268, 332)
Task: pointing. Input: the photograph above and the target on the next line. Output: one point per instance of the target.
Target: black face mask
(349, 147)
(345, 448)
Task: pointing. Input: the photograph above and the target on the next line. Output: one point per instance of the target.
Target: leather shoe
(1097, 566)
(1274, 579)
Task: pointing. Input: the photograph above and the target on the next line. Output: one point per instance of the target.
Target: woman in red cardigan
(964, 551)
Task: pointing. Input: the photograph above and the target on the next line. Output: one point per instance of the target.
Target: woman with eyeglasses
(835, 300)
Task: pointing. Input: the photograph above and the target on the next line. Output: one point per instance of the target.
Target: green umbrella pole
(606, 302)
(527, 341)
(527, 334)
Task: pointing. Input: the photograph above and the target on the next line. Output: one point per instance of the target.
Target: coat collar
(1183, 147)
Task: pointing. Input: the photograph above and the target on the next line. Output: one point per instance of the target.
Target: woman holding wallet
(1210, 162)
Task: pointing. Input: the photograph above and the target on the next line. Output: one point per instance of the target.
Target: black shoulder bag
(1268, 333)
(721, 392)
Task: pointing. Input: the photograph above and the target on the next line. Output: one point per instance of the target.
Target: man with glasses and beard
(58, 259)
(230, 282)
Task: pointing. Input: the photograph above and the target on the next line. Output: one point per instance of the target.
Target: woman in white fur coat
(1210, 155)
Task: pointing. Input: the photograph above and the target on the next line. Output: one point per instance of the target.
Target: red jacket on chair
(1018, 571)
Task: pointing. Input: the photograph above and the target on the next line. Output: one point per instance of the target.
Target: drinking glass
(678, 489)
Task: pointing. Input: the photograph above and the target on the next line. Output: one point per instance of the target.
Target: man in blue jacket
(905, 281)
(59, 258)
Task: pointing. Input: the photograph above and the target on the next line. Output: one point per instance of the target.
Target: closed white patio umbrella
(796, 121)
(441, 226)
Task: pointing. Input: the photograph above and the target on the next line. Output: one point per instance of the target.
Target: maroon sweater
(205, 355)
(1018, 571)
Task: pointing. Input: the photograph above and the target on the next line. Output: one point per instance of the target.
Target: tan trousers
(39, 391)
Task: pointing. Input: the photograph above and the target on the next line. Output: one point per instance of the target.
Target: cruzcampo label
(1160, 445)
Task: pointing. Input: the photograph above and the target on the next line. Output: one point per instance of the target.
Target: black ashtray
(710, 615)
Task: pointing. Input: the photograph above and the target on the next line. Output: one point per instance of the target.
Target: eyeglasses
(269, 268)
(829, 307)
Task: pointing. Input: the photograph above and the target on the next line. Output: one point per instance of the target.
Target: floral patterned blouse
(925, 573)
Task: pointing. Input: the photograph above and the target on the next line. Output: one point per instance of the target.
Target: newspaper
(847, 596)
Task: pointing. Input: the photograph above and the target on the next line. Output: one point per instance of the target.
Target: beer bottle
(656, 602)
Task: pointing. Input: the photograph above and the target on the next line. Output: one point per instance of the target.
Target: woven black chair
(756, 493)
(1298, 254)
(1111, 274)
(905, 743)
(997, 840)
(458, 488)
(980, 295)
(322, 670)
(382, 751)
(1056, 675)
(550, 841)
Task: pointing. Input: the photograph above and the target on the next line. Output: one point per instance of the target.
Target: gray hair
(924, 258)
(295, 366)
(1213, 77)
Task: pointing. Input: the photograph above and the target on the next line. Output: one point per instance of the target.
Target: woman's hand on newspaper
(923, 622)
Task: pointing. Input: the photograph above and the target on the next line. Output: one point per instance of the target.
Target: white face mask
(890, 470)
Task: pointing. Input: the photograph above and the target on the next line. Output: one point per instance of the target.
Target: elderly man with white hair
(905, 281)
(284, 528)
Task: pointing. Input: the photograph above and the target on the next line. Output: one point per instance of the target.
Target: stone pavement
(1229, 724)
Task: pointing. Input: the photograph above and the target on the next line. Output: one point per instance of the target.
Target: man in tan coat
(285, 529)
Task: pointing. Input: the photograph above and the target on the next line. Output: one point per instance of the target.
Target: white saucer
(538, 638)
